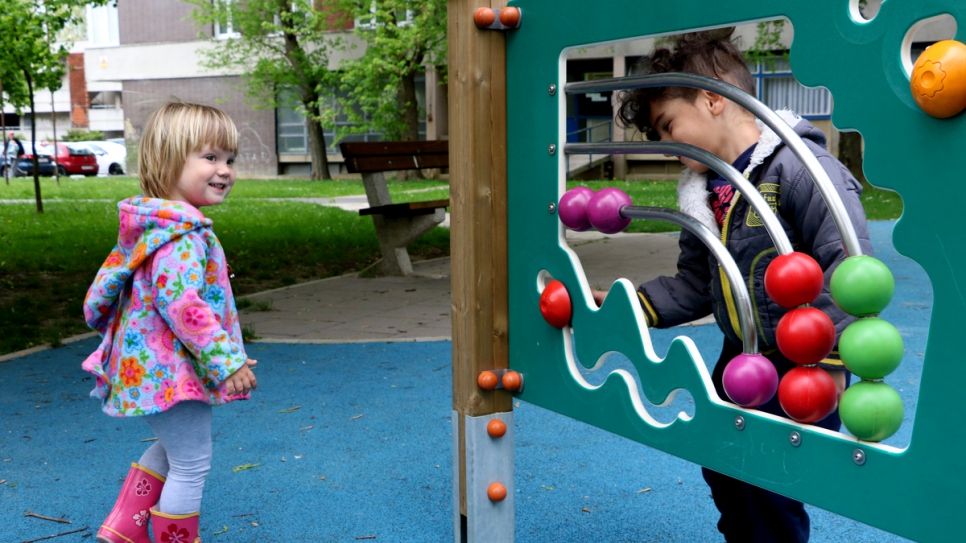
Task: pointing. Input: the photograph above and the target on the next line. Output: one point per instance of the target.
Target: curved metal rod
(774, 228)
(749, 334)
(760, 110)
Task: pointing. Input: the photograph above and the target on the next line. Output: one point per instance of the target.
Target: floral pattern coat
(163, 306)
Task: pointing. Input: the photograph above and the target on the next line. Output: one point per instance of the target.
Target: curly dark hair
(711, 53)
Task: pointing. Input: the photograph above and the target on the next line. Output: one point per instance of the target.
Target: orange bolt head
(938, 80)
(496, 428)
(487, 380)
(510, 17)
(496, 492)
(484, 17)
(512, 380)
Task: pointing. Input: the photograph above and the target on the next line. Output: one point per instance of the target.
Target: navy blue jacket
(700, 288)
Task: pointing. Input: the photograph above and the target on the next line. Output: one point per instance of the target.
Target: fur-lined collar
(693, 187)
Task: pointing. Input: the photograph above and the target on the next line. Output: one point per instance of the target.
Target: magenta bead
(750, 380)
(572, 208)
(604, 210)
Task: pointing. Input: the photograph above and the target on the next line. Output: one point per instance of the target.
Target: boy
(712, 122)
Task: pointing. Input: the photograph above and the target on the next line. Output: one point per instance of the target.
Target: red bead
(805, 335)
(794, 279)
(555, 304)
(807, 394)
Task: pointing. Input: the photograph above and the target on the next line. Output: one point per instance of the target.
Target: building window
(403, 19)
(223, 29)
(105, 100)
(293, 136)
(778, 89)
(102, 28)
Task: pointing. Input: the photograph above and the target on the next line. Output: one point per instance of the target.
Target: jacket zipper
(725, 285)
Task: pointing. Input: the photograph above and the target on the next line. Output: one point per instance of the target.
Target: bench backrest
(395, 155)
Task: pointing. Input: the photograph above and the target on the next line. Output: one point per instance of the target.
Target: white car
(111, 157)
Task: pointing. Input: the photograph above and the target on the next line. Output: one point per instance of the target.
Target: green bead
(871, 348)
(871, 411)
(862, 285)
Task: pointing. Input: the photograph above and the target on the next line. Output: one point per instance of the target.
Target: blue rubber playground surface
(352, 442)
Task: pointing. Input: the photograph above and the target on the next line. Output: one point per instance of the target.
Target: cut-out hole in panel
(543, 278)
(777, 87)
(863, 11)
(923, 34)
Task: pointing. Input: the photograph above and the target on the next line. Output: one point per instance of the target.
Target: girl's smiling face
(207, 177)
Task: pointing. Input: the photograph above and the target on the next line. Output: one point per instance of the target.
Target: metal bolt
(858, 456)
(552, 149)
(740, 422)
(552, 207)
(552, 89)
(795, 438)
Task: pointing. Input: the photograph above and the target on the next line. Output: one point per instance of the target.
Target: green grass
(48, 260)
(116, 188)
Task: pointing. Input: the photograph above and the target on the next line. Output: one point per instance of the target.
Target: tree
(282, 49)
(403, 38)
(31, 60)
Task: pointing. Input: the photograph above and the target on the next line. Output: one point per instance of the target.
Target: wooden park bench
(397, 225)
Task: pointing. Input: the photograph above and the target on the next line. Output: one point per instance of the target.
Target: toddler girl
(162, 303)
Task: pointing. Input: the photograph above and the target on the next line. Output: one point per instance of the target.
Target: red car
(72, 159)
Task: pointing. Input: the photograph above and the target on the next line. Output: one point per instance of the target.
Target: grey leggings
(182, 454)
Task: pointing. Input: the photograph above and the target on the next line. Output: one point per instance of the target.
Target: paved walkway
(349, 308)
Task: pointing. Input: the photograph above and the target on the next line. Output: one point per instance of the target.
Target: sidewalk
(352, 309)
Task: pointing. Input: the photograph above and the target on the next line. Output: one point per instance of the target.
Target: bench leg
(395, 233)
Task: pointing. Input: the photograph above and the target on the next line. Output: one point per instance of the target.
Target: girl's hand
(599, 296)
(251, 363)
(241, 382)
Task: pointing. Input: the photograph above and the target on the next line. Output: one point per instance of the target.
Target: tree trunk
(33, 142)
(3, 128)
(53, 122)
(850, 153)
(406, 101)
(317, 147)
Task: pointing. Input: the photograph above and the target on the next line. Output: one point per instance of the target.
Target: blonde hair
(174, 131)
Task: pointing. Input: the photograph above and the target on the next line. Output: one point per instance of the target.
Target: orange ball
(487, 380)
(938, 79)
(496, 428)
(484, 17)
(496, 492)
(512, 380)
(510, 17)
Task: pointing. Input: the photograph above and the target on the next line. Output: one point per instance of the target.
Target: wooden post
(478, 195)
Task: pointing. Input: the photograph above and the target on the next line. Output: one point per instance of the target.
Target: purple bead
(604, 210)
(572, 208)
(750, 380)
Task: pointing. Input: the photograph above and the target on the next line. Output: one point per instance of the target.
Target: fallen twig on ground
(32, 514)
(55, 535)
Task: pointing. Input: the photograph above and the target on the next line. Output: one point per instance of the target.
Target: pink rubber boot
(128, 521)
(175, 528)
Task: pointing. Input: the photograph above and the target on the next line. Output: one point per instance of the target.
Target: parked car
(24, 166)
(111, 157)
(71, 158)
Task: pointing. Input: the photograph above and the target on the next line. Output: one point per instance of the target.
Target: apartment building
(137, 54)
